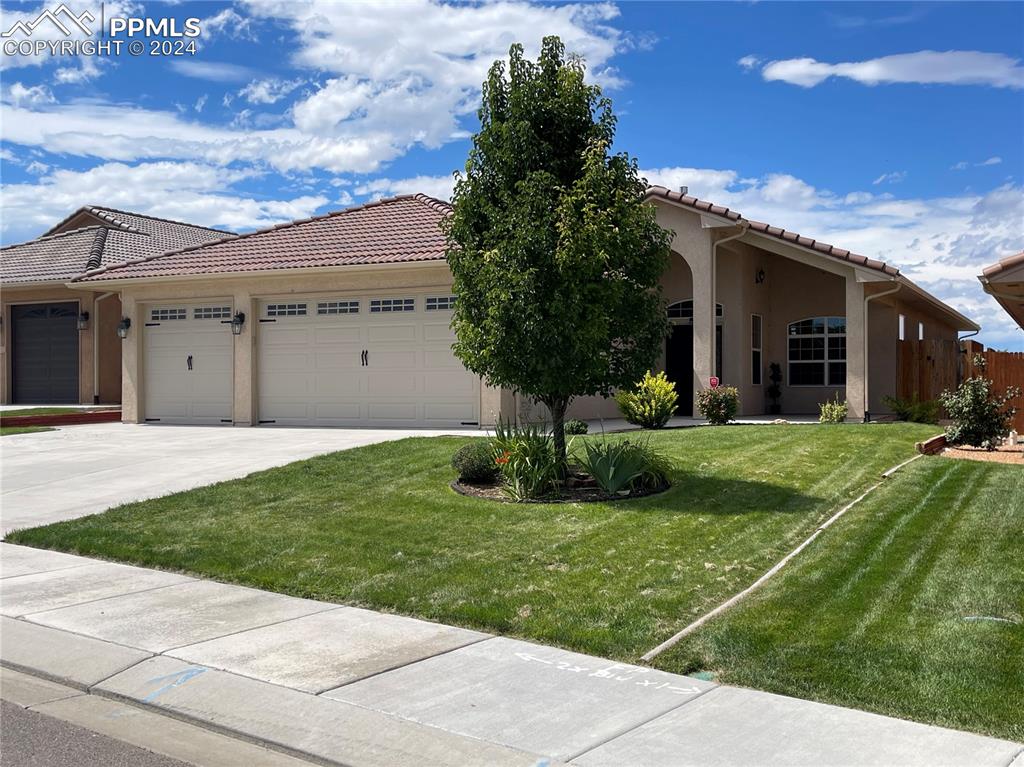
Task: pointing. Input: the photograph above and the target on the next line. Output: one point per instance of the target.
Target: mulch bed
(1002, 454)
(567, 495)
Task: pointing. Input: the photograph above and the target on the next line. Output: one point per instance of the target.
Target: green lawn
(8, 430)
(379, 527)
(879, 613)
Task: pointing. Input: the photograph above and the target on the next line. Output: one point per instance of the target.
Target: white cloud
(89, 68)
(962, 165)
(749, 62)
(215, 71)
(991, 161)
(228, 23)
(37, 168)
(201, 102)
(269, 90)
(926, 67)
(942, 243)
(194, 192)
(893, 177)
(440, 187)
(31, 96)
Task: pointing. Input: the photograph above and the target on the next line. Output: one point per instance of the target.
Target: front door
(679, 364)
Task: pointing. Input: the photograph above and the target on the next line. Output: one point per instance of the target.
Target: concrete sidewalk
(340, 685)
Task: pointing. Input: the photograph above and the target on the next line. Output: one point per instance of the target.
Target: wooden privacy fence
(1005, 369)
(927, 368)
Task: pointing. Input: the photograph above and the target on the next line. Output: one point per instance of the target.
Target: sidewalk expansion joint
(25, 616)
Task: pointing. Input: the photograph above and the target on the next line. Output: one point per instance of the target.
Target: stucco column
(131, 369)
(244, 412)
(856, 365)
(702, 268)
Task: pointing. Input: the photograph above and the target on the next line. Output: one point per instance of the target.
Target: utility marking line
(650, 655)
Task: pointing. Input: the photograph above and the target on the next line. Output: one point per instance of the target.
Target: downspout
(96, 347)
(744, 226)
(867, 334)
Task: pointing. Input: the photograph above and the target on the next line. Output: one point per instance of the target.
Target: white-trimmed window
(286, 310)
(439, 303)
(683, 310)
(817, 352)
(211, 312)
(756, 336)
(382, 305)
(337, 307)
(163, 315)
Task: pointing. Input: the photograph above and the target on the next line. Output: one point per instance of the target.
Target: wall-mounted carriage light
(236, 323)
(83, 321)
(122, 327)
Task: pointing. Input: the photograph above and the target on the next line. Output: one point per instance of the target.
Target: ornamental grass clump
(621, 467)
(526, 457)
(649, 404)
(719, 405)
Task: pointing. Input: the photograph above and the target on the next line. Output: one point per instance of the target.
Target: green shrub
(833, 412)
(526, 457)
(475, 463)
(914, 409)
(655, 475)
(576, 426)
(650, 403)
(719, 406)
(981, 418)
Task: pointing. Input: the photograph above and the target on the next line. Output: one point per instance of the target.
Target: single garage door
(187, 363)
(369, 360)
(44, 360)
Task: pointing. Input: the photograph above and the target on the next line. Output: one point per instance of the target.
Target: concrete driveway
(80, 470)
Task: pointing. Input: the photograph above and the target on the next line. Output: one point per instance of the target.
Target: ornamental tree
(555, 257)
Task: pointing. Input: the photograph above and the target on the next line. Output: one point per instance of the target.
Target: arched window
(817, 352)
(681, 312)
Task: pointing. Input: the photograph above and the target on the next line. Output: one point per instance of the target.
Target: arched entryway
(679, 350)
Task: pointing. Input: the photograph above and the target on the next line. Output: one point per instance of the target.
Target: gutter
(867, 335)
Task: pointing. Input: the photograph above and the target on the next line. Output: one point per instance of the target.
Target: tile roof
(394, 230)
(111, 237)
(773, 231)
(1003, 264)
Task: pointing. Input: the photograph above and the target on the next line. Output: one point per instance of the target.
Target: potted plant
(773, 392)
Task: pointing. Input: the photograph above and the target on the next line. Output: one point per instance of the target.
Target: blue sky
(891, 129)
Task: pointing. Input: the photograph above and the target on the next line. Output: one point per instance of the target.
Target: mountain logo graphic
(54, 17)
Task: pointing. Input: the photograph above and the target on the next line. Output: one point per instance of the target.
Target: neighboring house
(1004, 281)
(344, 319)
(59, 343)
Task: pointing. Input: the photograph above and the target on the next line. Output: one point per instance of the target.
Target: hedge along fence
(1005, 369)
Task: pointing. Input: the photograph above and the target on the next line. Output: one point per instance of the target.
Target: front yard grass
(912, 606)
(379, 527)
(8, 430)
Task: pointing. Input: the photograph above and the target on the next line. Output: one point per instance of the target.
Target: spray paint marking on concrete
(172, 681)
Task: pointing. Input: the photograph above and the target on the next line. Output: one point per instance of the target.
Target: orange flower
(502, 459)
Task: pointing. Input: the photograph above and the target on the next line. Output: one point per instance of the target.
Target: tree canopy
(555, 257)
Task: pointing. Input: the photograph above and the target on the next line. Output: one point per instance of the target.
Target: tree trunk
(558, 405)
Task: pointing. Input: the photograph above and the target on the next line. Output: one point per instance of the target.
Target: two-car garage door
(377, 360)
(367, 360)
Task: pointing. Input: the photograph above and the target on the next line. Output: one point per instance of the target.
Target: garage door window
(211, 312)
(164, 315)
(337, 307)
(440, 303)
(286, 310)
(382, 305)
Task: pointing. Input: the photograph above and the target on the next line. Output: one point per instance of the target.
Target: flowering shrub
(650, 403)
(980, 416)
(719, 406)
(526, 458)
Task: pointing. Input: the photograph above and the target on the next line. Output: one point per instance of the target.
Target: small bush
(719, 406)
(526, 457)
(650, 403)
(475, 463)
(621, 466)
(576, 426)
(656, 472)
(914, 409)
(981, 418)
(833, 412)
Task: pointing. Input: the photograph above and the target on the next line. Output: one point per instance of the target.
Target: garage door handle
(362, 358)
(189, 361)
